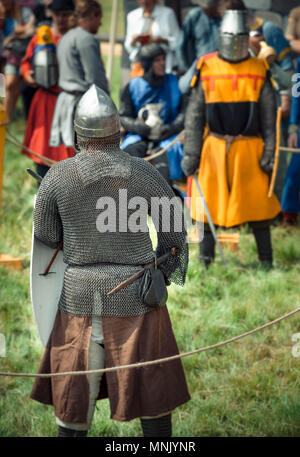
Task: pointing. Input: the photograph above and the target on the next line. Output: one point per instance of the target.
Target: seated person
(152, 113)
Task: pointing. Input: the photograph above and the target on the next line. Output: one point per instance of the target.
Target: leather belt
(229, 139)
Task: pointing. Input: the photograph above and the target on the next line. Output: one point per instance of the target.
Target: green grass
(106, 20)
(248, 388)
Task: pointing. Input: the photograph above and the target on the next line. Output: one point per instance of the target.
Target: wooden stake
(2, 146)
(276, 160)
(112, 40)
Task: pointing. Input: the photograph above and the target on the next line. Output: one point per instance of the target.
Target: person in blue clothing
(200, 33)
(274, 37)
(152, 113)
(200, 36)
(290, 201)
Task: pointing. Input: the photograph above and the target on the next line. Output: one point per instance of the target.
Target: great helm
(96, 115)
(234, 36)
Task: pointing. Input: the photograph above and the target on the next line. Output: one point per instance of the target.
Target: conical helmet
(234, 35)
(96, 115)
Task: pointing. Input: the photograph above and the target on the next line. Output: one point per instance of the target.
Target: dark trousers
(262, 234)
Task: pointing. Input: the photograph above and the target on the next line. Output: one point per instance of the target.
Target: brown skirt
(135, 392)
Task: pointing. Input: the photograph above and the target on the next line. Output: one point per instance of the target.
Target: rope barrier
(179, 137)
(49, 162)
(151, 362)
(13, 140)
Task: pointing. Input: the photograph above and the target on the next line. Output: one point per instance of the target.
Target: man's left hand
(267, 161)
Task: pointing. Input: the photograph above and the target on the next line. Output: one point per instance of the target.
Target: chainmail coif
(105, 144)
(66, 208)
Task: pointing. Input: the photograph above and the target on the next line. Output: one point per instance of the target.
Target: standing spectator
(200, 36)
(274, 37)
(290, 202)
(13, 51)
(42, 108)
(282, 81)
(151, 23)
(80, 66)
(6, 29)
(292, 33)
(200, 33)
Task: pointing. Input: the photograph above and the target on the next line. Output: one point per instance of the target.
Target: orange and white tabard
(234, 186)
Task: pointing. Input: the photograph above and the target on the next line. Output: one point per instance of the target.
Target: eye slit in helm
(234, 36)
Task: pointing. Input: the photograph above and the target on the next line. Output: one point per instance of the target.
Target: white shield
(45, 290)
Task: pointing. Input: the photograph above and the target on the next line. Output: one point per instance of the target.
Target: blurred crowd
(150, 28)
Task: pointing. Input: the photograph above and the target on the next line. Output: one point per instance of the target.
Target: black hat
(148, 53)
(62, 5)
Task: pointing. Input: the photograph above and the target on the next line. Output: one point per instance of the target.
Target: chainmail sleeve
(128, 118)
(47, 221)
(178, 124)
(267, 115)
(195, 120)
(167, 215)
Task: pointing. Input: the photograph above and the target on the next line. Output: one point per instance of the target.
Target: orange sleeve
(26, 61)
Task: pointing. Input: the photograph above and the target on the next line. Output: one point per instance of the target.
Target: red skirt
(38, 128)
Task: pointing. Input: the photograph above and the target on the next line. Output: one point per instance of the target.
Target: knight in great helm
(232, 94)
(92, 329)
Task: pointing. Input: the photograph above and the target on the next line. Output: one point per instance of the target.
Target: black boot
(207, 249)
(158, 427)
(67, 432)
(264, 245)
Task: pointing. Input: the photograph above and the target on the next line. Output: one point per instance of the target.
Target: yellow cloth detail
(44, 35)
(197, 72)
(258, 23)
(284, 53)
(270, 76)
(233, 184)
(228, 83)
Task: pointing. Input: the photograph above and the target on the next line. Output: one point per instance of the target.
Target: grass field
(248, 388)
(107, 11)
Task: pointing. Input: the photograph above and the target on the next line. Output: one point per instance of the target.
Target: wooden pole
(112, 40)
(5, 259)
(277, 152)
(2, 145)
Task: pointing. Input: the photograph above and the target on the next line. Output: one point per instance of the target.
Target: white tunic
(164, 25)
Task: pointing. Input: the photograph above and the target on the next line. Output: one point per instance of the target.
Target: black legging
(160, 426)
(262, 234)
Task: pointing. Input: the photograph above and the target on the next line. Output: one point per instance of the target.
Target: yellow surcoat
(234, 186)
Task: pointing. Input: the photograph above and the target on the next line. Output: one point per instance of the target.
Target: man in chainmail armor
(92, 329)
(232, 95)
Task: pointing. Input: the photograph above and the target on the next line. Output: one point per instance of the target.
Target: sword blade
(210, 221)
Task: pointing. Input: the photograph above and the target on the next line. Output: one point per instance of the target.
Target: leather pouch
(152, 290)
